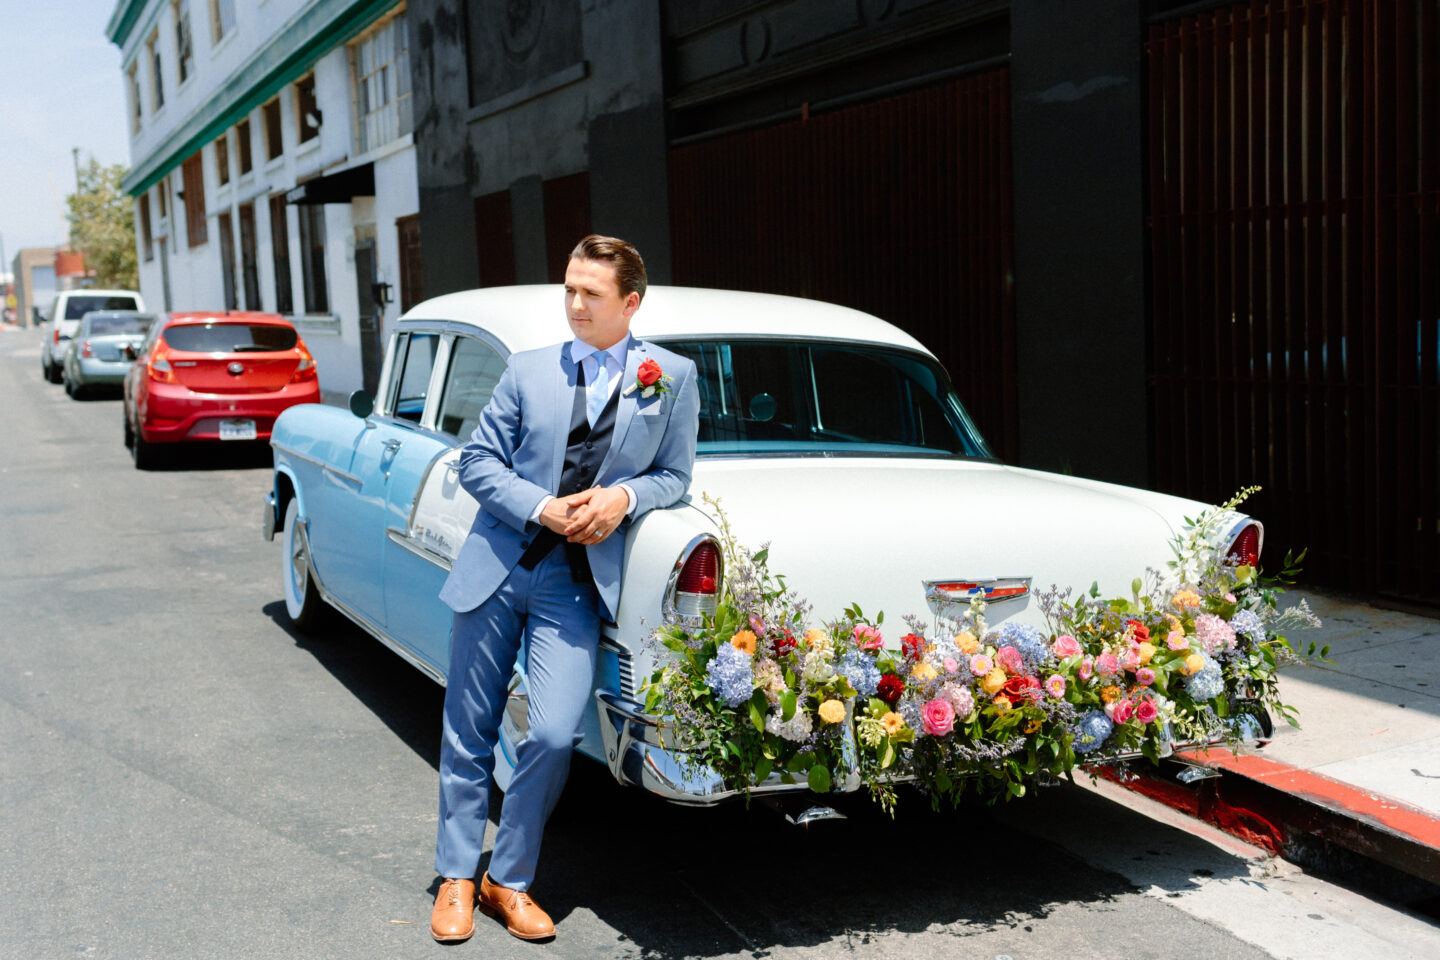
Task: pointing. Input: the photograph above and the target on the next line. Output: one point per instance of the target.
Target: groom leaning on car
(578, 441)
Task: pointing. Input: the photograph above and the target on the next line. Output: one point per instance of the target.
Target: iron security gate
(899, 207)
(1293, 214)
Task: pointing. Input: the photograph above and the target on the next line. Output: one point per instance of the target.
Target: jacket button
(524, 544)
(589, 445)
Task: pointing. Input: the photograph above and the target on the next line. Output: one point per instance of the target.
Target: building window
(227, 259)
(307, 111)
(380, 65)
(312, 258)
(184, 47)
(249, 270)
(242, 134)
(132, 84)
(160, 195)
(157, 84)
(222, 18)
(147, 247)
(222, 159)
(280, 251)
(194, 176)
(274, 143)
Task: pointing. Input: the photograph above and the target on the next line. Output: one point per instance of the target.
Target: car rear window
(110, 326)
(77, 307)
(230, 337)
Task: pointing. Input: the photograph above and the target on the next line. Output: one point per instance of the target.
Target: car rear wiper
(253, 348)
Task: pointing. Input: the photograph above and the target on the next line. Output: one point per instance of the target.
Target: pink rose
(981, 665)
(1087, 668)
(1055, 685)
(867, 637)
(1146, 711)
(950, 665)
(1131, 660)
(1124, 710)
(1230, 598)
(1145, 676)
(938, 717)
(1107, 664)
(1065, 646)
(1009, 660)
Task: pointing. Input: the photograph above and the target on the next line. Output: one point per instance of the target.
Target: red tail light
(85, 349)
(695, 589)
(158, 367)
(305, 370)
(55, 336)
(1246, 548)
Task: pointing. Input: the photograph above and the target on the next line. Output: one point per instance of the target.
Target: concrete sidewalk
(1358, 784)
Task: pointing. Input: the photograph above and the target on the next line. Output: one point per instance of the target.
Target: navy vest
(585, 450)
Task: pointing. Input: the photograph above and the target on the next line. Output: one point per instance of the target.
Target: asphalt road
(182, 775)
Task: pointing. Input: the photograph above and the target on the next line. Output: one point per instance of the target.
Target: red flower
(890, 688)
(784, 643)
(1021, 689)
(912, 645)
(648, 373)
(1141, 632)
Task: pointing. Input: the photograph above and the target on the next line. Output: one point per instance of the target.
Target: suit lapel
(564, 404)
(625, 412)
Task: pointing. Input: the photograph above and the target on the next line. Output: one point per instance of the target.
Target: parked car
(63, 319)
(214, 376)
(826, 432)
(102, 349)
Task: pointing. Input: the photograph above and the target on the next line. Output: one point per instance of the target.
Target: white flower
(818, 666)
(796, 729)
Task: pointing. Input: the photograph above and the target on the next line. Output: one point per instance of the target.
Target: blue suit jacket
(517, 453)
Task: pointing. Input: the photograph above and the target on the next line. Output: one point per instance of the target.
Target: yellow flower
(993, 681)
(1175, 623)
(744, 641)
(817, 638)
(832, 711)
(1110, 694)
(1002, 704)
(966, 642)
(1032, 726)
(922, 673)
(893, 723)
(1194, 664)
(1187, 598)
(1146, 651)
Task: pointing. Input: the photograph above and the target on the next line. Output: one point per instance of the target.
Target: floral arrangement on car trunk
(1187, 658)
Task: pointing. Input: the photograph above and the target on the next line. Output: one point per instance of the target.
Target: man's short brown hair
(629, 268)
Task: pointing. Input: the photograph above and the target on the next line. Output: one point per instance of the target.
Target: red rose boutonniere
(649, 380)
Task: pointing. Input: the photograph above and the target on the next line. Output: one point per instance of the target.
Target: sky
(60, 87)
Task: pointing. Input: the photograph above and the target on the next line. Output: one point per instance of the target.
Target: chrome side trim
(327, 467)
(401, 538)
(302, 525)
(948, 591)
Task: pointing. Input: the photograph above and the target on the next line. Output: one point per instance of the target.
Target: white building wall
(195, 278)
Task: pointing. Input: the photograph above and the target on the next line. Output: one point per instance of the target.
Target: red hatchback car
(214, 376)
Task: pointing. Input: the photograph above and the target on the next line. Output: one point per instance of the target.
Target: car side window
(475, 369)
(412, 375)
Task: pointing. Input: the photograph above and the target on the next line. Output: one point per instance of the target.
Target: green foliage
(102, 226)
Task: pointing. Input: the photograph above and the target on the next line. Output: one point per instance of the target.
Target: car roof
(225, 316)
(527, 317)
(88, 292)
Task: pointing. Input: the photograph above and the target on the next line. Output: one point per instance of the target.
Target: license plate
(237, 429)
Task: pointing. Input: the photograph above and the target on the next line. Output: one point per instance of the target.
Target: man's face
(597, 313)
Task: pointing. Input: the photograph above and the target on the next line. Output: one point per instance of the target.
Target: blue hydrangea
(861, 671)
(1207, 683)
(1091, 731)
(913, 714)
(1034, 650)
(730, 676)
(1248, 623)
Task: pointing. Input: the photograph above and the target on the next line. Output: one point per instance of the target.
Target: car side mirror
(131, 352)
(362, 404)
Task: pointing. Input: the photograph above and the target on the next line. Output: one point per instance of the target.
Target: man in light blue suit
(578, 441)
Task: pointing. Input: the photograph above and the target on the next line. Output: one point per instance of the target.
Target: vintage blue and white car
(828, 433)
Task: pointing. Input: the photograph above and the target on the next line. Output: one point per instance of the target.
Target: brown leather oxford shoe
(521, 915)
(454, 915)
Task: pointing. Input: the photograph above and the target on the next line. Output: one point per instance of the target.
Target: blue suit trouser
(556, 622)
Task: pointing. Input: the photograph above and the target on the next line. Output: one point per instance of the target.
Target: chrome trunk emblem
(236, 369)
(962, 590)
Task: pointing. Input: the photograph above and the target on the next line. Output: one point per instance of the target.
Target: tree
(102, 226)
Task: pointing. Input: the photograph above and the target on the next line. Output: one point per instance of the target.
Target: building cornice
(310, 34)
(123, 20)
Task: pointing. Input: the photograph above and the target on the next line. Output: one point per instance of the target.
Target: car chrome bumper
(638, 756)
